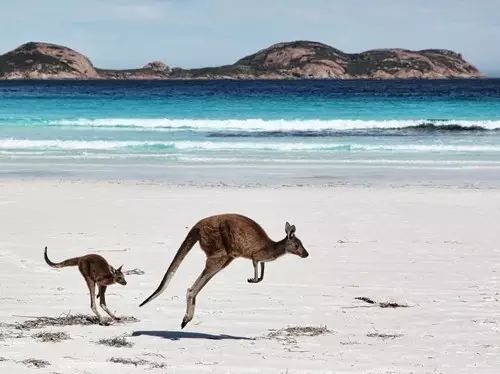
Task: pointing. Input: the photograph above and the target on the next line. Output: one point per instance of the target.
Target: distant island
(290, 60)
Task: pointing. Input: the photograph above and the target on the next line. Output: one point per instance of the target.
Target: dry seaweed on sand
(392, 305)
(381, 304)
(117, 341)
(137, 362)
(51, 337)
(33, 362)
(11, 335)
(365, 299)
(134, 272)
(383, 335)
(349, 342)
(64, 320)
(128, 361)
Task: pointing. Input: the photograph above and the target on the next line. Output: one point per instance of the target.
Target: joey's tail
(192, 237)
(68, 262)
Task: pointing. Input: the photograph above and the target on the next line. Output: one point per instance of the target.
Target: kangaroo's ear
(289, 229)
(119, 270)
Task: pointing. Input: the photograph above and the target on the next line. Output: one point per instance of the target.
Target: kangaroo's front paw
(252, 280)
(184, 322)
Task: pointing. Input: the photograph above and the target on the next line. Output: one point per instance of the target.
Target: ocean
(317, 131)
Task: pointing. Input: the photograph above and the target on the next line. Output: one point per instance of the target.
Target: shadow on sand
(178, 335)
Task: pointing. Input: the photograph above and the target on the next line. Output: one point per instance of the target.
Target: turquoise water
(428, 124)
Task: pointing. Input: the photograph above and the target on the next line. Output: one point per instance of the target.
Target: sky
(197, 33)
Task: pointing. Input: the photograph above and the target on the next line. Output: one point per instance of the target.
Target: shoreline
(238, 175)
(258, 187)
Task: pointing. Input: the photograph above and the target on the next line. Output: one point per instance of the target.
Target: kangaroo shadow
(178, 335)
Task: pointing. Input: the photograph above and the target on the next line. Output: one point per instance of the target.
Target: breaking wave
(165, 146)
(281, 125)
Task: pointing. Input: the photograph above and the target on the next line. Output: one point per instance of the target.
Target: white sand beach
(434, 250)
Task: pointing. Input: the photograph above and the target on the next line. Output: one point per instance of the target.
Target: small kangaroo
(223, 238)
(95, 270)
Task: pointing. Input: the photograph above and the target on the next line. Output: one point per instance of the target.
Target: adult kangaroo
(223, 238)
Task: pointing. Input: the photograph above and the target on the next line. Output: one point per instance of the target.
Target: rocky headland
(291, 60)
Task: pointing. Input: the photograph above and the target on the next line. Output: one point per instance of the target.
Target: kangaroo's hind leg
(102, 302)
(212, 267)
(91, 286)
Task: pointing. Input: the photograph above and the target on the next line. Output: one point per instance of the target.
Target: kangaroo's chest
(101, 276)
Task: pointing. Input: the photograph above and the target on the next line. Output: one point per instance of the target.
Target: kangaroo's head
(118, 276)
(293, 244)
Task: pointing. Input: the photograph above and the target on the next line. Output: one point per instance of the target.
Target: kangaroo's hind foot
(102, 302)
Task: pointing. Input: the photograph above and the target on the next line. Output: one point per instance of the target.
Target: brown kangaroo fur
(224, 238)
(95, 270)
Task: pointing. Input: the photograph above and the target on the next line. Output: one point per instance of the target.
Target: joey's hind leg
(256, 278)
(91, 286)
(102, 302)
(212, 267)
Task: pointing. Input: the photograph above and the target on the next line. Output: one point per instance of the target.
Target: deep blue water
(452, 122)
(442, 99)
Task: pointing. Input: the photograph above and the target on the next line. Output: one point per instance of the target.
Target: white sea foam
(65, 144)
(265, 125)
(162, 146)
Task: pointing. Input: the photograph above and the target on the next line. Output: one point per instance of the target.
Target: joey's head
(293, 244)
(118, 276)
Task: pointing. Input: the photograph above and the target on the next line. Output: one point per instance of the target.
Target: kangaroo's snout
(304, 254)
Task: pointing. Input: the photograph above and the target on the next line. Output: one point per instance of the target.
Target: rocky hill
(51, 61)
(45, 61)
(293, 60)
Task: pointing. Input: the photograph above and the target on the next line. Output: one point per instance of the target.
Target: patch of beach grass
(383, 335)
(51, 337)
(117, 341)
(137, 362)
(289, 334)
(64, 320)
(36, 363)
(11, 335)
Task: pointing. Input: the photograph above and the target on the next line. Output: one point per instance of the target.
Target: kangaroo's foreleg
(91, 286)
(256, 278)
(212, 267)
(261, 271)
(102, 302)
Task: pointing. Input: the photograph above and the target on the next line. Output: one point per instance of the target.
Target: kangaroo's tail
(68, 262)
(192, 237)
